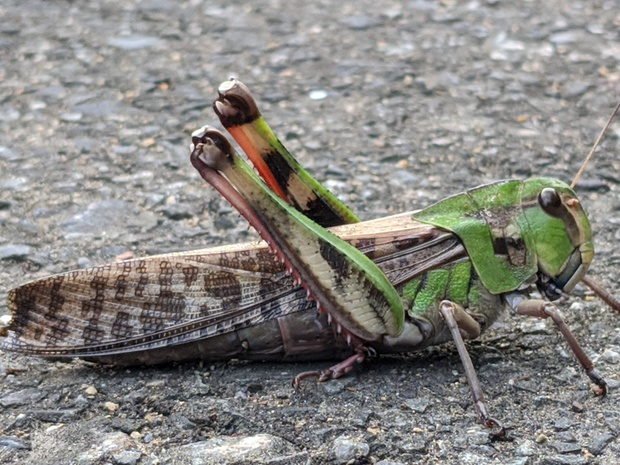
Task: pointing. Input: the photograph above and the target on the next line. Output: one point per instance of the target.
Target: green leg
(239, 114)
(344, 282)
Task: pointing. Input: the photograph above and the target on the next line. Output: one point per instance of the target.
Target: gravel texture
(393, 105)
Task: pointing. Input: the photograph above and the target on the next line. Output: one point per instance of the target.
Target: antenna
(596, 144)
(603, 294)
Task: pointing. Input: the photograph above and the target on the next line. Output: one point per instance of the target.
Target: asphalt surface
(392, 105)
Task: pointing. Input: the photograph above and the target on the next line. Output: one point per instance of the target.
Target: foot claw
(501, 434)
(335, 372)
(296, 383)
(601, 389)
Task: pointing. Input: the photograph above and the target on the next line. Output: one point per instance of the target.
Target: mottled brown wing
(151, 302)
(171, 300)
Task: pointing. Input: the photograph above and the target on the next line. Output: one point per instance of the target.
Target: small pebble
(91, 391)
(14, 251)
(346, 449)
(418, 405)
(10, 442)
(526, 449)
(70, 117)
(577, 407)
(23, 397)
(566, 447)
(127, 457)
(519, 461)
(53, 428)
(134, 42)
(111, 406)
(563, 424)
(565, 460)
(600, 441)
(360, 22)
(318, 94)
(566, 436)
(611, 356)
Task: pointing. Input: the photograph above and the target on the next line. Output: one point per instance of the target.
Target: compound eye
(551, 202)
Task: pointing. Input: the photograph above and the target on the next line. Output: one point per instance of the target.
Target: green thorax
(505, 231)
(451, 282)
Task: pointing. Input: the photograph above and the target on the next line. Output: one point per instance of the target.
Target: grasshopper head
(561, 234)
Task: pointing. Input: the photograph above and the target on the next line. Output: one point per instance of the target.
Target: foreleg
(543, 309)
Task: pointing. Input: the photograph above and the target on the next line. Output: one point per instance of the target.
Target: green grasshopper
(393, 284)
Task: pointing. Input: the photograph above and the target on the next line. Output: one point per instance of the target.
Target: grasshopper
(394, 284)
